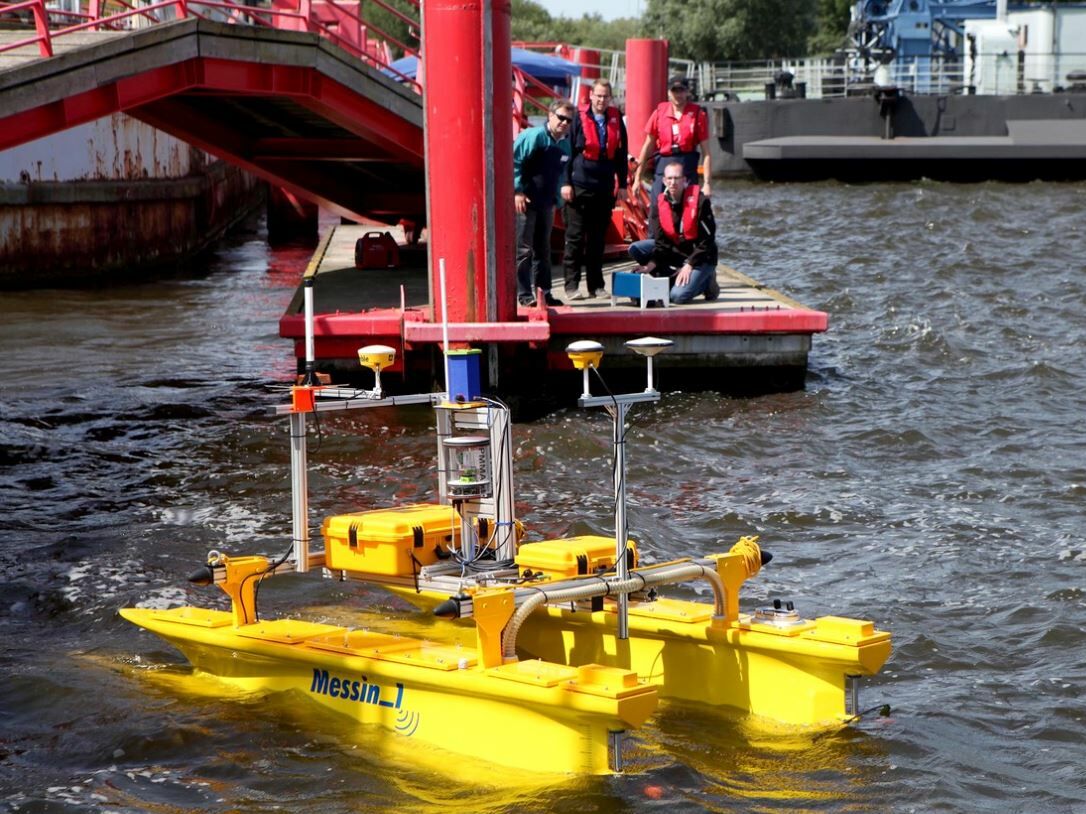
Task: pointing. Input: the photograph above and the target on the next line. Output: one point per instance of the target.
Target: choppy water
(931, 477)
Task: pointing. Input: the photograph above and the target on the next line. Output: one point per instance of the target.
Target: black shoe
(527, 302)
(713, 291)
(550, 299)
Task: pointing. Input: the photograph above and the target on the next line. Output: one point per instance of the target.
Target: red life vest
(688, 125)
(613, 119)
(690, 214)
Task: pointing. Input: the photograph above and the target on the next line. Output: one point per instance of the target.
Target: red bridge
(290, 107)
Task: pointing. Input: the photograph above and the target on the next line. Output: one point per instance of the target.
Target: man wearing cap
(539, 158)
(676, 130)
(685, 245)
(598, 168)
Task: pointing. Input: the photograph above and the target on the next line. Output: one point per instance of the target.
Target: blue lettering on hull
(350, 689)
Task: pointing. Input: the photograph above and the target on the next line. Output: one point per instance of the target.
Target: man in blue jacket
(595, 177)
(539, 158)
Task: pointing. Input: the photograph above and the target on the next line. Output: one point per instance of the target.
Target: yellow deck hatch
(197, 617)
(842, 630)
(610, 682)
(434, 656)
(354, 642)
(287, 631)
(674, 610)
(535, 672)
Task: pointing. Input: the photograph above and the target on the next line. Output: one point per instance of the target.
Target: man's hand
(521, 201)
(567, 193)
(622, 196)
(683, 277)
(705, 190)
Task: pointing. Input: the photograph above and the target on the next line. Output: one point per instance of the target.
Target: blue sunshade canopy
(549, 70)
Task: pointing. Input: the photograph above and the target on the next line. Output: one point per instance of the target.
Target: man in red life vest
(676, 130)
(600, 150)
(685, 244)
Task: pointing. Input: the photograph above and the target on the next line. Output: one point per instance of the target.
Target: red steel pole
(589, 60)
(503, 234)
(646, 85)
(469, 156)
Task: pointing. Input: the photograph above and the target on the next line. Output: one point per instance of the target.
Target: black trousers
(587, 216)
(534, 251)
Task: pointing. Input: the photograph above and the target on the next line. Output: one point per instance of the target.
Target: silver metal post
(501, 470)
(310, 352)
(615, 741)
(618, 414)
(299, 492)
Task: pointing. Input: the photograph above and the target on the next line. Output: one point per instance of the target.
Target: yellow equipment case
(572, 556)
(391, 542)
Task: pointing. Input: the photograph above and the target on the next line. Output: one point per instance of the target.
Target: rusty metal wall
(116, 147)
(109, 199)
(98, 231)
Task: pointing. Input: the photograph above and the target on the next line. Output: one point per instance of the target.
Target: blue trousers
(641, 252)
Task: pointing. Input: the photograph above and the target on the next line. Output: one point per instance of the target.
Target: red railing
(327, 19)
(40, 16)
(527, 92)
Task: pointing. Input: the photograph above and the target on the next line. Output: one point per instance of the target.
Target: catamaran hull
(524, 715)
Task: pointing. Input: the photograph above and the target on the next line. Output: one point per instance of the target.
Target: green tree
(832, 27)
(384, 22)
(721, 30)
(593, 31)
(531, 22)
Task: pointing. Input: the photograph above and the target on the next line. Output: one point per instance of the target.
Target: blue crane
(905, 31)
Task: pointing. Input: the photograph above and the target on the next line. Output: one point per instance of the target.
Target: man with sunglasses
(540, 155)
(600, 154)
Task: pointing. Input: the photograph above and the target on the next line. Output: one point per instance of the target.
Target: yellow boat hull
(795, 675)
(526, 715)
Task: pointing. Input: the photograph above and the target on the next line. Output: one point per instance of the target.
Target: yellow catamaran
(573, 642)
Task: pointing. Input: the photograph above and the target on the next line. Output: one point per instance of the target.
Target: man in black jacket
(598, 169)
(685, 246)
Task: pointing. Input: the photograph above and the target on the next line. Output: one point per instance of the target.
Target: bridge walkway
(289, 106)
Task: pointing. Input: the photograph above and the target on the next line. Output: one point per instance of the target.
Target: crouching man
(685, 244)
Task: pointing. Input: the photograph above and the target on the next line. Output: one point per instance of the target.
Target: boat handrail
(638, 580)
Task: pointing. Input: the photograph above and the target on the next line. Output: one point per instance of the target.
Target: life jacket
(690, 214)
(688, 123)
(613, 119)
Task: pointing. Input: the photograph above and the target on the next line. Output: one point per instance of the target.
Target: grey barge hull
(951, 138)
